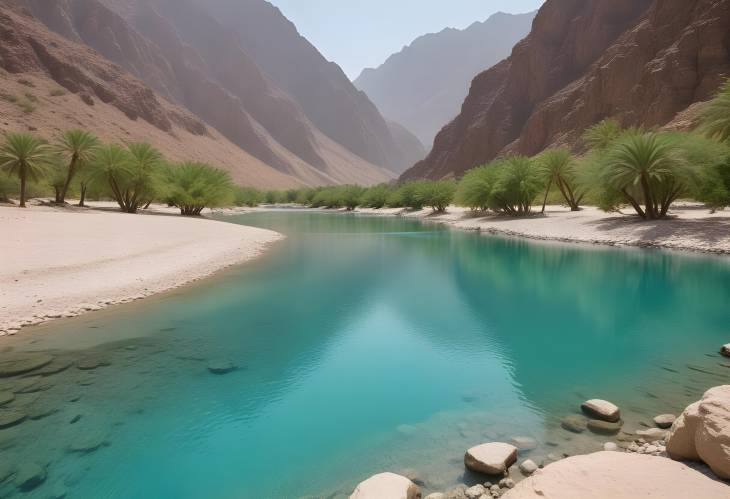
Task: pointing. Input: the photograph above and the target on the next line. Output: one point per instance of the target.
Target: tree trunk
(83, 195)
(22, 185)
(649, 205)
(57, 190)
(69, 178)
(547, 192)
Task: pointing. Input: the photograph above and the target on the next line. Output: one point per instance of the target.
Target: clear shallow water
(366, 344)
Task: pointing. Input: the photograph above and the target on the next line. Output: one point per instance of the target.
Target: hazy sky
(362, 33)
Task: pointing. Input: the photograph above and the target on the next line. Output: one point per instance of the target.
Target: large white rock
(702, 432)
(491, 459)
(386, 486)
(601, 409)
(617, 475)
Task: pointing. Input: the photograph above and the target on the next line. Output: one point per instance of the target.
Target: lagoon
(365, 344)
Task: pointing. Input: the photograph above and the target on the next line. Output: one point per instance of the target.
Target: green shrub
(193, 186)
(715, 119)
(475, 189)
(558, 169)
(8, 187)
(57, 92)
(437, 195)
(518, 183)
(248, 196)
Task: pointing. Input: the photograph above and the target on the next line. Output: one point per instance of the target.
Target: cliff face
(186, 56)
(407, 89)
(639, 61)
(321, 88)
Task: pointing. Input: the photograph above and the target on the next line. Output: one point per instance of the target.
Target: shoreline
(692, 228)
(66, 262)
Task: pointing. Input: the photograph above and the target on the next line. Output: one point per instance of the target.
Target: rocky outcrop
(702, 432)
(386, 486)
(617, 475)
(407, 88)
(642, 62)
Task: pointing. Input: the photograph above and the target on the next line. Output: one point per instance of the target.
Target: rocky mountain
(643, 62)
(183, 54)
(423, 85)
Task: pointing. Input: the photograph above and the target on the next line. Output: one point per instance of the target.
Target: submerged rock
(574, 424)
(525, 443)
(605, 427)
(6, 398)
(6, 470)
(725, 350)
(528, 467)
(601, 410)
(29, 476)
(386, 486)
(17, 364)
(222, 367)
(92, 362)
(702, 432)
(11, 417)
(492, 458)
(665, 421)
(88, 443)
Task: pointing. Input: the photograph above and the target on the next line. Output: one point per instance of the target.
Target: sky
(362, 33)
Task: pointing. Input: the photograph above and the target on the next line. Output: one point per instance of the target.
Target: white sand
(618, 475)
(61, 263)
(690, 228)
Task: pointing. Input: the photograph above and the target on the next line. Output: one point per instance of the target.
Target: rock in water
(605, 427)
(574, 424)
(528, 467)
(491, 459)
(653, 434)
(6, 398)
(11, 417)
(386, 486)
(29, 476)
(475, 492)
(665, 421)
(702, 432)
(87, 443)
(222, 367)
(525, 443)
(725, 350)
(16, 364)
(601, 409)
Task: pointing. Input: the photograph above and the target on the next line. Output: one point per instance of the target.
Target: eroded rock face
(639, 61)
(702, 432)
(386, 486)
(492, 458)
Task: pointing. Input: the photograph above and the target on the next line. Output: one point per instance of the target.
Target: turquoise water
(367, 344)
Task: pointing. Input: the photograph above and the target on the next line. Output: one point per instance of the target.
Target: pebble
(610, 447)
(528, 467)
(665, 421)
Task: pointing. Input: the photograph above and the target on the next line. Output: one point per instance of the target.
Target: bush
(475, 189)
(715, 118)
(376, 196)
(558, 169)
(275, 197)
(436, 194)
(248, 196)
(193, 186)
(518, 183)
(8, 187)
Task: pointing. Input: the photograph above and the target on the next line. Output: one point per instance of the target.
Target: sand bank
(63, 262)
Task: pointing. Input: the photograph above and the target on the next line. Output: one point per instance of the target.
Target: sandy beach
(691, 226)
(64, 262)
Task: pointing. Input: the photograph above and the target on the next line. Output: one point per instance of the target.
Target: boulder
(491, 458)
(665, 421)
(29, 476)
(475, 492)
(528, 467)
(574, 424)
(601, 410)
(617, 475)
(605, 427)
(386, 486)
(725, 350)
(221, 367)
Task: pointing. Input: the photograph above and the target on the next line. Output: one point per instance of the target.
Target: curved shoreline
(61, 263)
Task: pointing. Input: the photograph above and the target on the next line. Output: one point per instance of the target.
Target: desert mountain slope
(423, 85)
(642, 62)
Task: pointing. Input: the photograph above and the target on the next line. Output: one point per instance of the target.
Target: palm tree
(24, 155)
(111, 166)
(558, 168)
(716, 115)
(147, 164)
(648, 169)
(77, 147)
(194, 186)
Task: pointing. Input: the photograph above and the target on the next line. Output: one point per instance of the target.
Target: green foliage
(437, 195)
(57, 92)
(8, 187)
(193, 186)
(247, 196)
(406, 196)
(601, 135)
(25, 156)
(77, 148)
(715, 118)
(275, 197)
(475, 189)
(376, 196)
(558, 169)
(518, 184)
